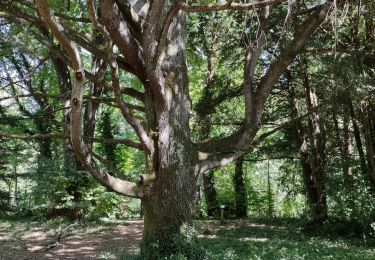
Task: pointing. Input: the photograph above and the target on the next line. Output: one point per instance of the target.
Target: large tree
(148, 40)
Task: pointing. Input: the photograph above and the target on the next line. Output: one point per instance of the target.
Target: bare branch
(126, 142)
(122, 37)
(32, 137)
(230, 6)
(164, 31)
(95, 22)
(132, 19)
(84, 155)
(134, 122)
(124, 90)
(251, 61)
(109, 101)
(287, 55)
(218, 152)
(58, 32)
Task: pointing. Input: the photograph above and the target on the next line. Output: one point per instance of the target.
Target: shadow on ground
(259, 240)
(31, 241)
(232, 240)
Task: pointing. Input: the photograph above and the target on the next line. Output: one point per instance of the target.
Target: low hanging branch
(124, 107)
(120, 186)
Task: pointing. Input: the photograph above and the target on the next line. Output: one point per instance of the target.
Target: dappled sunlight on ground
(241, 239)
(231, 239)
(82, 243)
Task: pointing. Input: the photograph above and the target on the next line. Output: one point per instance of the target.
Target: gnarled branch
(120, 186)
(230, 6)
(218, 152)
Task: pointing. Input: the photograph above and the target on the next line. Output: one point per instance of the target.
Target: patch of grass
(280, 240)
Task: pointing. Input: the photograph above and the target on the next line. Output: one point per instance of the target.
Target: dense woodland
(266, 107)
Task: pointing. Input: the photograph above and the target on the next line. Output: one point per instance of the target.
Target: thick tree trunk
(169, 202)
(240, 189)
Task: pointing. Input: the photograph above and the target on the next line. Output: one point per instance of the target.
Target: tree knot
(79, 75)
(75, 101)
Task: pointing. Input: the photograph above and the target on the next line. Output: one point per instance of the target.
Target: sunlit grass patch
(281, 241)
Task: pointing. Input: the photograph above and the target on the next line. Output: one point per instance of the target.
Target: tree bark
(169, 202)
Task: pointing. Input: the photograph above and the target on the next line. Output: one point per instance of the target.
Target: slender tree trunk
(347, 152)
(318, 143)
(345, 147)
(269, 192)
(369, 138)
(210, 193)
(240, 189)
(359, 144)
(109, 149)
(369, 24)
(15, 186)
(308, 175)
(209, 189)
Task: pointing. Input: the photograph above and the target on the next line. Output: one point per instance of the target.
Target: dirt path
(23, 241)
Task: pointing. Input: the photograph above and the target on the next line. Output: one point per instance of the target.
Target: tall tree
(317, 136)
(150, 40)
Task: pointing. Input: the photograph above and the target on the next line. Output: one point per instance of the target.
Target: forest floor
(237, 239)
